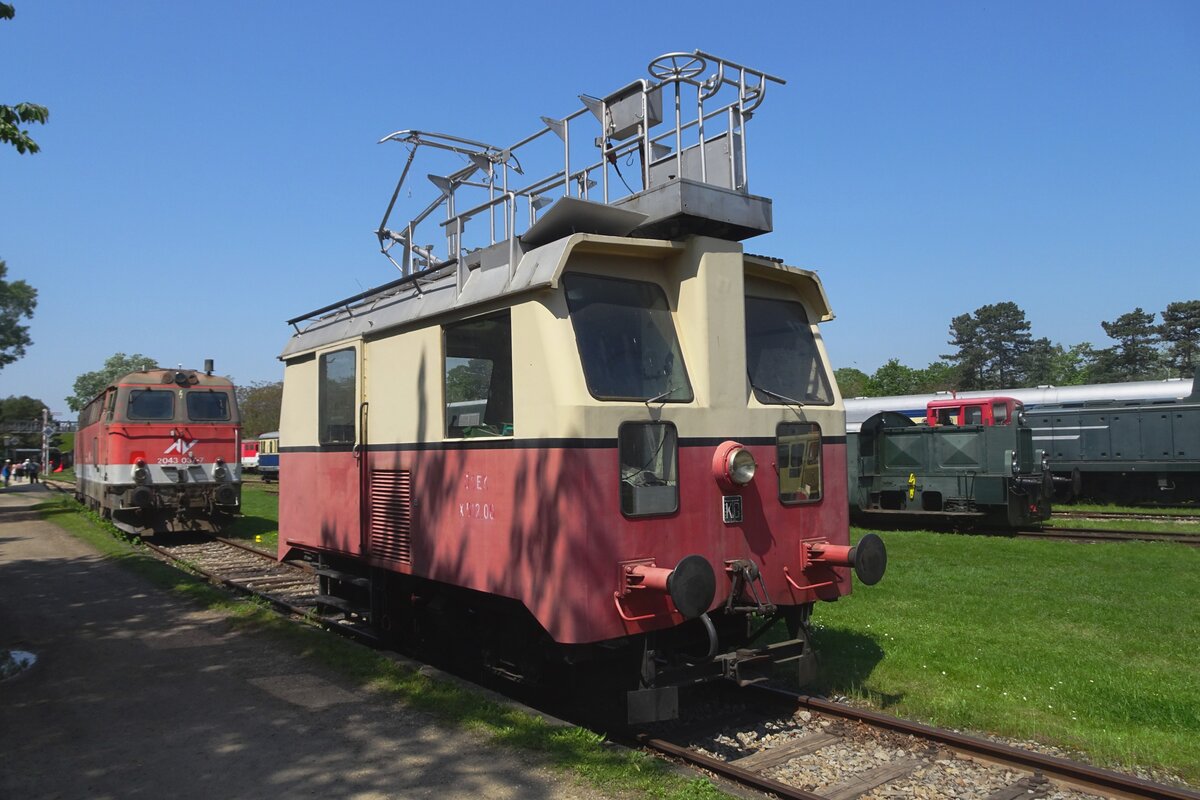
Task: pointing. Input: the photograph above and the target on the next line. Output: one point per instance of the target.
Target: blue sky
(210, 170)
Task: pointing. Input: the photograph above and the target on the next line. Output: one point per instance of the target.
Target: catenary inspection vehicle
(158, 450)
(569, 436)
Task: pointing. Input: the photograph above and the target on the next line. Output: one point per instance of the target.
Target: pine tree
(1135, 357)
(1180, 331)
(993, 346)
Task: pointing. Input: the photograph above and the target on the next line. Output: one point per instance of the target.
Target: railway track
(1108, 535)
(1133, 516)
(808, 748)
(243, 568)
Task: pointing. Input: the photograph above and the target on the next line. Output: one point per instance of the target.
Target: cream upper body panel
(402, 366)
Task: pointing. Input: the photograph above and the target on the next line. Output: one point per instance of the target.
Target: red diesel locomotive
(611, 438)
(158, 450)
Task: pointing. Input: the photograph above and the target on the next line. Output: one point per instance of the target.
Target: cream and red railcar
(614, 437)
(159, 450)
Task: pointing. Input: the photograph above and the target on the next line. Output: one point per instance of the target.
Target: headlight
(140, 473)
(1016, 463)
(733, 465)
(219, 471)
(741, 466)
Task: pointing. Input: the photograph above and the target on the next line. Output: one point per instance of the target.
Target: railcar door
(342, 452)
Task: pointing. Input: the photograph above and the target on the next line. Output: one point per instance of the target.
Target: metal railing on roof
(689, 122)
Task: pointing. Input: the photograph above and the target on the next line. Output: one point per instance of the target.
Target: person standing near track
(6, 471)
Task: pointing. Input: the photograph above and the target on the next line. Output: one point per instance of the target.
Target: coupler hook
(747, 578)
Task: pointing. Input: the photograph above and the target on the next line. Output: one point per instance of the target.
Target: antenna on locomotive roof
(208, 366)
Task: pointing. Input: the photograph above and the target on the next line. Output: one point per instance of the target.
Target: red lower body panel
(544, 526)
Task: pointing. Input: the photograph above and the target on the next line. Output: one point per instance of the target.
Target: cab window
(207, 406)
(626, 340)
(150, 404)
(782, 359)
(649, 456)
(798, 461)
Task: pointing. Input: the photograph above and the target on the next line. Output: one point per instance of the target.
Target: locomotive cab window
(782, 359)
(336, 398)
(207, 406)
(798, 462)
(478, 375)
(648, 452)
(974, 415)
(626, 340)
(150, 404)
(947, 416)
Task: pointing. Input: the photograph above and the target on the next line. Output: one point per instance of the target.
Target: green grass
(259, 522)
(1092, 647)
(579, 754)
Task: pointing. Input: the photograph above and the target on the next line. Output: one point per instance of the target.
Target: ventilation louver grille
(391, 515)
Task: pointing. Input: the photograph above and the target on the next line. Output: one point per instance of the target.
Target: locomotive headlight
(140, 473)
(219, 470)
(733, 465)
(1016, 463)
(741, 466)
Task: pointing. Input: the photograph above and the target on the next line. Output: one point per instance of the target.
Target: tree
(89, 384)
(23, 409)
(469, 381)
(894, 378)
(17, 299)
(1135, 356)
(1180, 331)
(852, 382)
(993, 346)
(939, 377)
(12, 117)
(259, 404)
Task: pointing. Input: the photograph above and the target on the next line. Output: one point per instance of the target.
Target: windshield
(626, 340)
(207, 406)
(781, 354)
(151, 404)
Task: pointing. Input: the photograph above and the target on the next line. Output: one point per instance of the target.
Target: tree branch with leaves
(13, 117)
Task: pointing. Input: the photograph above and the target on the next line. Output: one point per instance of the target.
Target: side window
(478, 374)
(974, 415)
(337, 394)
(1000, 413)
(798, 461)
(648, 452)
